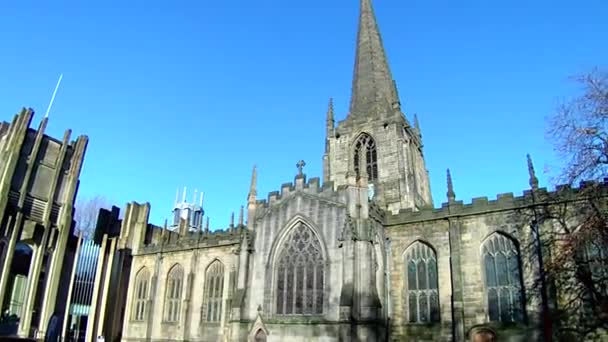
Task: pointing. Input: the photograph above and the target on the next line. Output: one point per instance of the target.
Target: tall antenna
(53, 97)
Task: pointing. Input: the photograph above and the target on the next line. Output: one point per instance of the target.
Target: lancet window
(503, 279)
(214, 289)
(365, 152)
(142, 285)
(173, 296)
(300, 274)
(422, 285)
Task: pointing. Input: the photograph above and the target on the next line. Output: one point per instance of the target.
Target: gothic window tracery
(422, 285)
(173, 293)
(502, 279)
(142, 283)
(300, 274)
(214, 289)
(365, 147)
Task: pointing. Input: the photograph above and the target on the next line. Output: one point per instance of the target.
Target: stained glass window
(173, 293)
(300, 277)
(142, 283)
(422, 292)
(214, 290)
(366, 147)
(503, 280)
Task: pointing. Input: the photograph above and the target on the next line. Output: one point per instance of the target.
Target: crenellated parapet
(502, 202)
(163, 240)
(302, 185)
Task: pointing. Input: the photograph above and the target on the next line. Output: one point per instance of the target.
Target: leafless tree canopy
(86, 211)
(575, 238)
(579, 129)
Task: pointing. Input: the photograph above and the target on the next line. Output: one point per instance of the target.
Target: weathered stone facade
(363, 256)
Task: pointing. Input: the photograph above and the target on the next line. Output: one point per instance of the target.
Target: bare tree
(574, 239)
(86, 212)
(579, 129)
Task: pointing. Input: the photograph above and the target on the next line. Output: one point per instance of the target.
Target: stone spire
(329, 126)
(252, 188)
(451, 194)
(533, 179)
(241, 215)
(373, 90)
(330, 117)
(416, 123)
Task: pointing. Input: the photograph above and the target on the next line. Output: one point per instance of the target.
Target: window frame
(362, 143)
(428, 291)
(273, 291)
(173, 302)
(522, 292)
(136, 300)
(217, 299)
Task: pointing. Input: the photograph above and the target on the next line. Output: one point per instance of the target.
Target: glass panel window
(365, 147)
(300, 274)
(502, 279)
(421, 284)
(173, 296)
(141, 294)
(213, 293)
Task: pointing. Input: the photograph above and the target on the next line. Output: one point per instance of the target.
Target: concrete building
(39, 180)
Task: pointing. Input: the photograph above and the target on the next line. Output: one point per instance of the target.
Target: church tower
(376, 135)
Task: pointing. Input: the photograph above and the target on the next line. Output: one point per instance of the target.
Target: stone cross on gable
(300, 165)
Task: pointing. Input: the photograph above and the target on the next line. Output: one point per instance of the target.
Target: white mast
(53, 97)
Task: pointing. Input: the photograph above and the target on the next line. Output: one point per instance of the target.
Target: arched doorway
(483, 335)
(260, 336)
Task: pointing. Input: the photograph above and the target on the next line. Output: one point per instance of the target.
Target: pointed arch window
(214, 289)
(142, 286)
(422, 284)
(502, 279)
(365, 147)
(173, 293)
(300, 274)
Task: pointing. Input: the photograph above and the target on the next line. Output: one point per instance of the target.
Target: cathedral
(360, 254)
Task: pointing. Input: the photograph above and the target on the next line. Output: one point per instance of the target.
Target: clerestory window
(214, 289)
(365, 154)
(503, 279)
(300, 274)
(173, 293)
(422, 285)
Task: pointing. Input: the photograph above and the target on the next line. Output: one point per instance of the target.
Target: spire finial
(201, 200)
(329, 125)
(300, 165)
(373, 90)
(232, 220)
(253, 185)
(532, 173)
(207, 225)
(194, 196)
(241, 213)
(451, 194)
(416, 123)
(330, 113)
(184, 196)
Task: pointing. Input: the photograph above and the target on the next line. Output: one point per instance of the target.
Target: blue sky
(193, 93)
